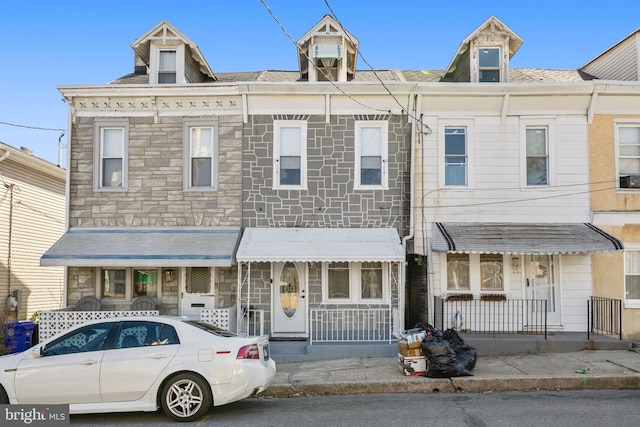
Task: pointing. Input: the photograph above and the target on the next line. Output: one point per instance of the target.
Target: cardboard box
(411, 350)
(412, 366)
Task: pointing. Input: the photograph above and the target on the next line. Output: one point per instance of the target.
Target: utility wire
(32, 127)
(314, 65)
(375, 73)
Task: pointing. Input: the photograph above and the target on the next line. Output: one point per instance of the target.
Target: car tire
(4, 399)
(186, 397)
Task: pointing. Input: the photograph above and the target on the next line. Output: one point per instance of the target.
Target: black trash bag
(442, 361)
(466, 354)
(430, 330)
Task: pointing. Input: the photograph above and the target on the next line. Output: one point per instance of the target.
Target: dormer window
(489, 64)
(327, 53)
(167, 66)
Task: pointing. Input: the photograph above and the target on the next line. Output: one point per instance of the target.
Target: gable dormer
(620, 62)
(484, 55)
(170, 58)
(327, 52)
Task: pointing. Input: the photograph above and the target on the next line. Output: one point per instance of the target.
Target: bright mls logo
(34, 415)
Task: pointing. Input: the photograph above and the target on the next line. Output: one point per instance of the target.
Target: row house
(614, 167)
(32, 212)
(330, 203)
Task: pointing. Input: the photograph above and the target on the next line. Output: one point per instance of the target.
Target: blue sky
(73, 42)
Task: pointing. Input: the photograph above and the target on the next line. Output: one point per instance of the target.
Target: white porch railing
(51, 323)
(357, 325)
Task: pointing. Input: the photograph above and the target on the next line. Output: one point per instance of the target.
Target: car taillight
(249, 352)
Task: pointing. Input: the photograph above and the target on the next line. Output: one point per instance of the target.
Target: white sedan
(139, 364)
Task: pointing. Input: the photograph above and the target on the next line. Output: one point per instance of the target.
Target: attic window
(167, 66)
(489, 64)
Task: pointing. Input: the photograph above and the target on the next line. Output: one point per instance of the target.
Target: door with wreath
(542, 286)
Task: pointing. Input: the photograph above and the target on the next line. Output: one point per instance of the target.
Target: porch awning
(320, 244)
(510, 238)
(144, 247)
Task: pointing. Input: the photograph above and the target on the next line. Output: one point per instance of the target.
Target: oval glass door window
(289, 289)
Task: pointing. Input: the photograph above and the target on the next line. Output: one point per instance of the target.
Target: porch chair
(143, 303)
(88, 303)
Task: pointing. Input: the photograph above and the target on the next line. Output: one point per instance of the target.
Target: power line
(32, 127)
(313, 63)
(418, 120)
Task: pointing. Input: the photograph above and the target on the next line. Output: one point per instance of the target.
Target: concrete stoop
(485, 344)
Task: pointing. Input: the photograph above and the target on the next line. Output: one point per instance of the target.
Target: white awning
(320, 244)
(510, 238)
(144, 247)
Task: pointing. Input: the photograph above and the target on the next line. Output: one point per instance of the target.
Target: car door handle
(159, 356)
(89, 362)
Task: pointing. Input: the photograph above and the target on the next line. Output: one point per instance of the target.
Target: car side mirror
(38, 351)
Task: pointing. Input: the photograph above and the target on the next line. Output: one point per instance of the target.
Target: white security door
(197, 293)
(289, 299)
(542, 286)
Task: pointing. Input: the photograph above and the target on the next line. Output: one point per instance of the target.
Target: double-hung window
(290, 154)
(632, 278)
(489, 64)
(167, 66)
(537, 152)
(354, 282)
(110, 153)
(371, 139)
(455, 156)
(628, 137)
(201, 154)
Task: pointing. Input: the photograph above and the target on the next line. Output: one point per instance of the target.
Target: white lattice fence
(223, 318)
(51, 323)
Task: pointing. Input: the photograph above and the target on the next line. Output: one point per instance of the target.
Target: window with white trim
(111, 140)
(628, 145)
(475, 273)
(371, 139)
(125, 284)
(201, 155)
(455, 156)
(355, 282)
(290, 154)
(489, 64)
(537, 153)
(632, 278)
(167, 66)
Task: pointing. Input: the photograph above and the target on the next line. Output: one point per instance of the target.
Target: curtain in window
(537, 160)
(371, 280)
(458, 272)
(370, 156)
(632, 275)
(338, 278)
(201, 156)
(290, 155)
(112, 153)
(491, 273)
(629, 150)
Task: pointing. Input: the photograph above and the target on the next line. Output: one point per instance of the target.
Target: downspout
(417, 99)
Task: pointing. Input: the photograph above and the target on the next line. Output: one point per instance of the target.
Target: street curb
(460, 385)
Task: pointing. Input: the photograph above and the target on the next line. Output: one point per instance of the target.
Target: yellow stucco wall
(608, 268)
(602, 167)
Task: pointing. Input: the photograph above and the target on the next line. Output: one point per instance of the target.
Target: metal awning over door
(526, 238)
(144, 247)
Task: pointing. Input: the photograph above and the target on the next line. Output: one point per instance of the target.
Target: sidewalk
(586, 369)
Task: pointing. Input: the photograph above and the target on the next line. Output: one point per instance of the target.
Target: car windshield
(210, 328)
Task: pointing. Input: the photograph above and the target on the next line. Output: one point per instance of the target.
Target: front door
(197, 293)
(542, 286)
(289, 299)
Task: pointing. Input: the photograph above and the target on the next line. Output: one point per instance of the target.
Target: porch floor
(485, 344)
